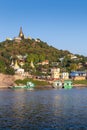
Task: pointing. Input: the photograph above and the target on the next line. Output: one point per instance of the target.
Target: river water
(43, 109)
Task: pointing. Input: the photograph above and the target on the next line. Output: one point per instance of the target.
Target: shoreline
(8, 80)
(47, 86)
(79, 85)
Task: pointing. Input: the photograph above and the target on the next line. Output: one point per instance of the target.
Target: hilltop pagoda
(21, 35)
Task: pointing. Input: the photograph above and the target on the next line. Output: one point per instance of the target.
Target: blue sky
(60, 23)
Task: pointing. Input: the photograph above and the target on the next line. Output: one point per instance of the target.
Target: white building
(19, 71)
(65, 75)
(55, 73)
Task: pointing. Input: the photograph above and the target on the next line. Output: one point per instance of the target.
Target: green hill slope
(35, 51)
(11, 48)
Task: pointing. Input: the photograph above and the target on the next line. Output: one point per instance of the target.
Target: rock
(8, 80)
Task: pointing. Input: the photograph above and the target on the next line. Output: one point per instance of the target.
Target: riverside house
(78, 75)
(65, 75)
(55, 73)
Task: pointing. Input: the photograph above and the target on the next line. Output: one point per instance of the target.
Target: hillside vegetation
(27, 46)
(36, 52)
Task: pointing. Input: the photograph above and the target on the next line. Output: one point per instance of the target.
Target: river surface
(43, 109)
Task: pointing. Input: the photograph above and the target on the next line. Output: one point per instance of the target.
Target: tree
(73, 67)
(32, 57)
(2, 66)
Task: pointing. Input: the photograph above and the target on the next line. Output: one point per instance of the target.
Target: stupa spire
(16, 66)
(21, 35)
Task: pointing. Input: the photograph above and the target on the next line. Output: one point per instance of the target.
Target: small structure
(8, 39)
(19, 71)
(17, 39)
(21, 35)
(78, 75)
(21, 59)
(55, 73)
(12, 64)
(17, 68)
(32, 65)
(45, 62)
(67, 84)
(65, 75)
(37, 40)
(73, 57)
(57, 84)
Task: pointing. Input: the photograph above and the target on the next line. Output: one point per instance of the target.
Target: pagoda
(16, 66)
(21, 35)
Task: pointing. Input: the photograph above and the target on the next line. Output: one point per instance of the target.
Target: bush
(9, 71)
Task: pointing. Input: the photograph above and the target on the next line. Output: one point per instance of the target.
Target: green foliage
(9, 71)
(2, 66)
(37, 52)
(36, 82)
(73, 67)
(80, 82)
(32, 57)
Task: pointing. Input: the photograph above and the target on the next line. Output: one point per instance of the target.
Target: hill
(26, 50)
(27, 46)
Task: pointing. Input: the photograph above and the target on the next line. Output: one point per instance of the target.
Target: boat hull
(28, 86)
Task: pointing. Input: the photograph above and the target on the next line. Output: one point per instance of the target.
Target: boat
(57, 84)
(29, 85)
(67, 84)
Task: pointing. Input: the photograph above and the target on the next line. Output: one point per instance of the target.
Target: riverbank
(8, 80)
(79, 85)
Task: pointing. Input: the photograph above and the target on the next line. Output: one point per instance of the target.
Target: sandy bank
(79, 85)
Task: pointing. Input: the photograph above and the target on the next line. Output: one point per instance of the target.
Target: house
(73, 56)
(37, 40)
(55, 63)
(80, 65)
(46, 62)
(55, 73)
(78, 75)
(65, 75)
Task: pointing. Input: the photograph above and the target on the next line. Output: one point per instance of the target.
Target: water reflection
(44, 109)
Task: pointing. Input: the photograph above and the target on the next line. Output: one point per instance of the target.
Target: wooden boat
(29, 85)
